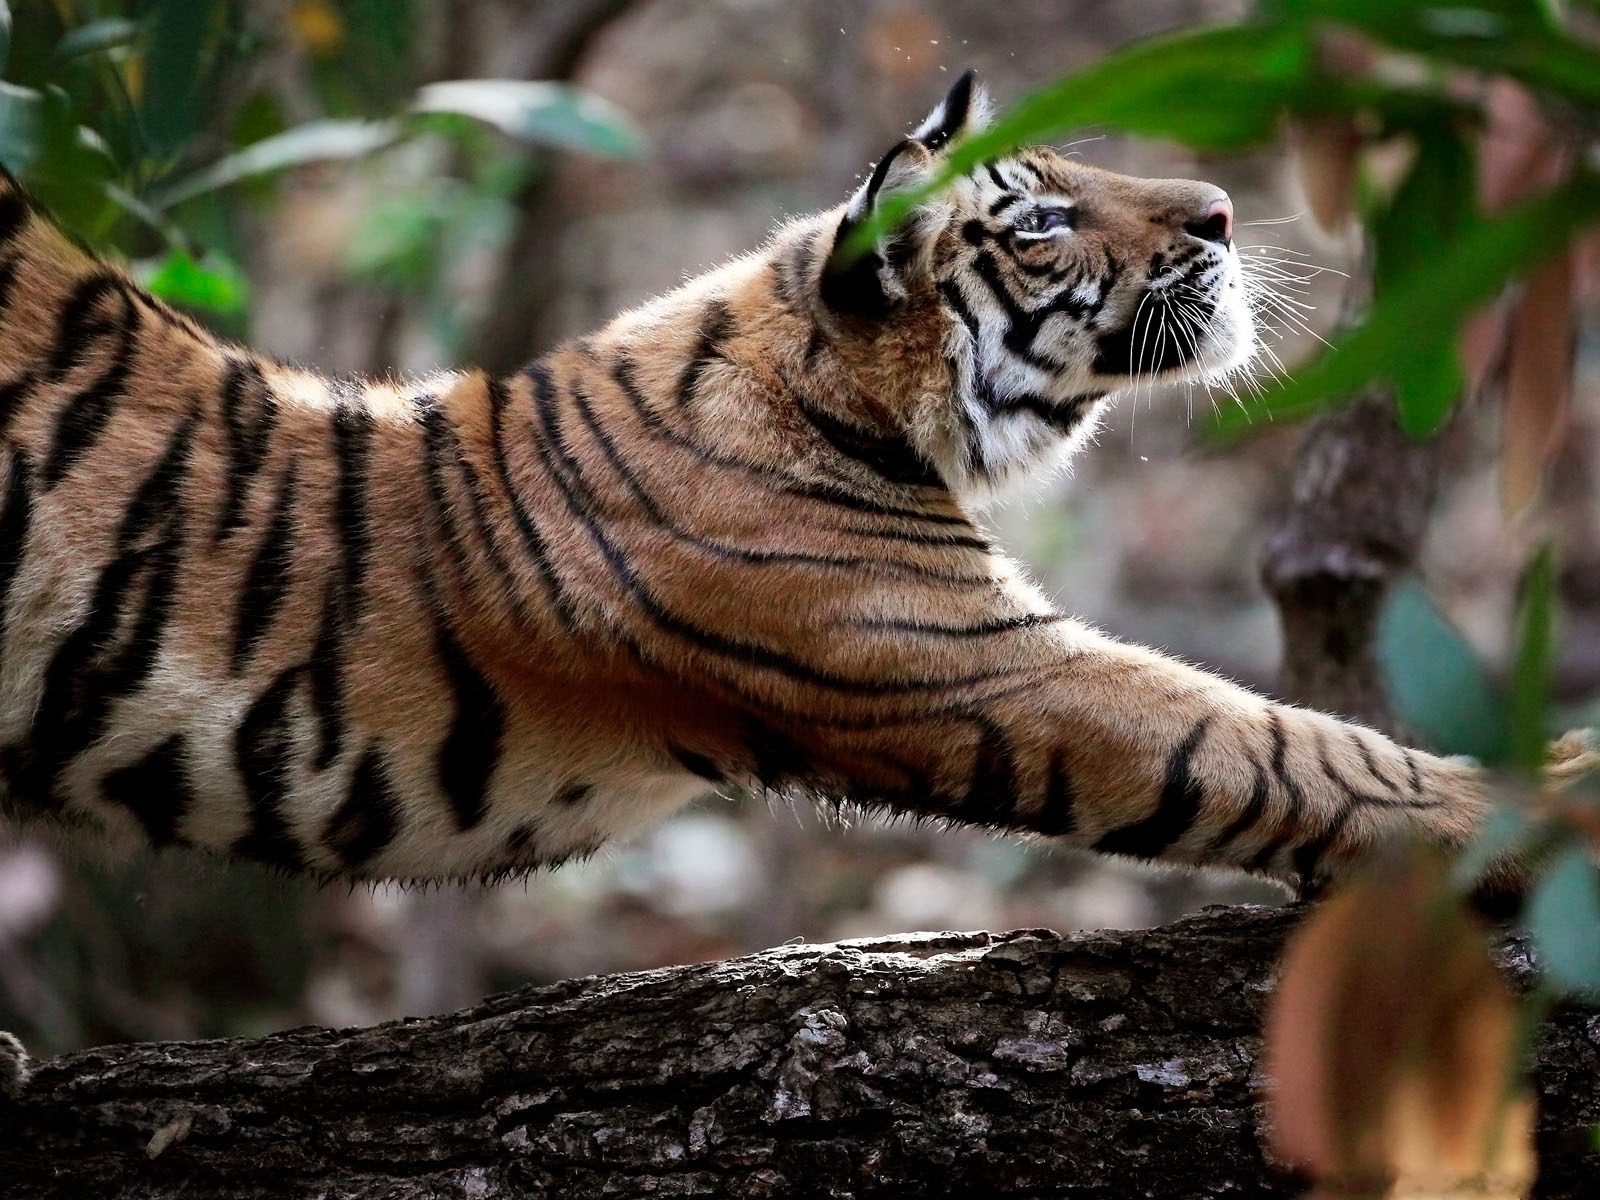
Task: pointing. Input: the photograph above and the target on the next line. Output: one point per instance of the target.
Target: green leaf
(5, 35)
(171, 108)
(314, 141)
(1427, 308)
(1521, 38)
(96, 37)
(214, 284)
(1563, 918)
(1433, 203)
(1530, 670)
(547, 114)
(1248, 75)
(1435, 679)
(21, 116)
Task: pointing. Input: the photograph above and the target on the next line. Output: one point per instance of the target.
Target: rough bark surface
(1027, 1064)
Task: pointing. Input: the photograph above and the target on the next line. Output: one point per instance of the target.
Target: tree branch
(1096, 1065)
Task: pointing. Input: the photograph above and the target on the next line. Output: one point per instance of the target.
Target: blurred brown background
(751, 110)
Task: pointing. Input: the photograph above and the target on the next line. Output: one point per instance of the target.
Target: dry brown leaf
(1521, 154)
(1327, 151)
(1538, 381)
(1327, 146)
(1390, 1043)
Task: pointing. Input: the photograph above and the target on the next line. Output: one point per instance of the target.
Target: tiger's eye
(1043, 219)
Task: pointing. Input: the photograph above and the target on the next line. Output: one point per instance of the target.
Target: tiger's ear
(964, 108)
(872, 284)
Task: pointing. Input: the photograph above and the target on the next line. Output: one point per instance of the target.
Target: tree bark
(1026, 1064)
(1363, 491)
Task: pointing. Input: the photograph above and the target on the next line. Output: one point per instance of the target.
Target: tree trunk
(1097, 1065)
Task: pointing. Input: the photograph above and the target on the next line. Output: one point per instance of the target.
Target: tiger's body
(466, 626)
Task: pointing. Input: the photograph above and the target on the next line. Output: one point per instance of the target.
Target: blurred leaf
(259, 117)
(1427, 307)
(1430, 207)
(172, 107)
(1538, 380)
(1563, 917)
(548, 114)
(1529, 701)
(1390, 1040)
(1521, 38)
(1435, 679)
(314, 141)
(21, 114)
(398, 241)
(213, 284)
(5, 35)
(97, 37)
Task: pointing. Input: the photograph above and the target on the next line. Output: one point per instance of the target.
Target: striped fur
(466, 625)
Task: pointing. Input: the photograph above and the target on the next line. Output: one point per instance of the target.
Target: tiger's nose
(1215, 224)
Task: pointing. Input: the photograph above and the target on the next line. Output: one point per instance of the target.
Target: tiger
(462, 626)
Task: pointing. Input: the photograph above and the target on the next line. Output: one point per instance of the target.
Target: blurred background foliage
(385, 186)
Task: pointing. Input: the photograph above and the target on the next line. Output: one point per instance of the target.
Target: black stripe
(327, 680)
(16, 520)
(1307, 859)
(532, 541)
(442, 453)
(716, 325)
(155, 790)
(991, 797)
(13, 213)
(792, 273)
(574, 794)
(890, 455)
(957, 301)
(876, 566)
(1058, 817)
(1371, 764)
(12, 396)
(267, 579)
(88, 673)
(1176, 810)
(776, 760)
(84, 415)
(980, 629)
(1280, 771)
(263, 749)
(773, 477)
(248, 416)
(352, 444)
(1063, 416)
(1255, 808)
(369, 817)
(8, 281)
(1414, 776)
(471, 750)
(563, 472)
(698, 764)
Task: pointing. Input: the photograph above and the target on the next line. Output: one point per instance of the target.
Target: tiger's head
(1053, 285)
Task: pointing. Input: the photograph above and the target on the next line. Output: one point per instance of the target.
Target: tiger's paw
(13, 1067)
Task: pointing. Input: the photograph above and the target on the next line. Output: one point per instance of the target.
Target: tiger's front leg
(1119, 749)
